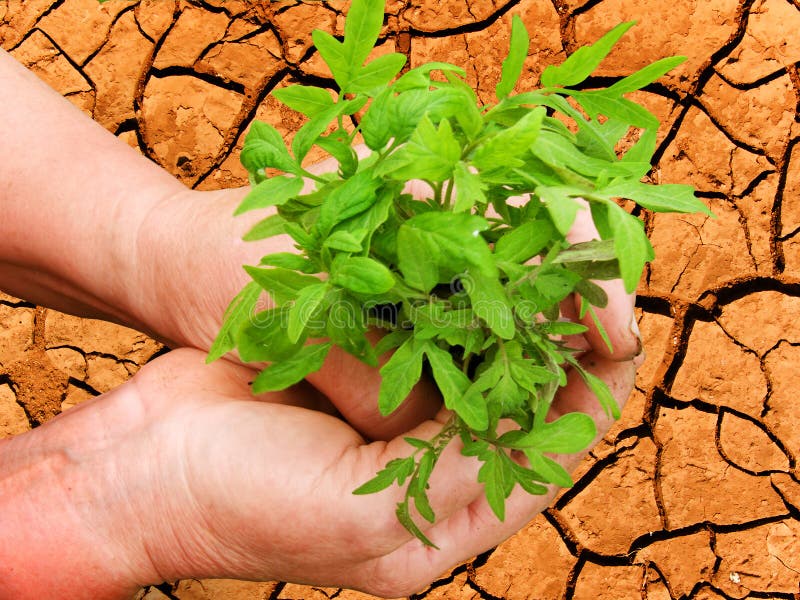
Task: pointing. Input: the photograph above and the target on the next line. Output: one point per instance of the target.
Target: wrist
(57, 538)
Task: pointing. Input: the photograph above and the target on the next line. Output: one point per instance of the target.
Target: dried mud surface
(695, 492)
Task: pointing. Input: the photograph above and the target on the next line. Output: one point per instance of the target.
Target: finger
(353, 387)
(617, 318)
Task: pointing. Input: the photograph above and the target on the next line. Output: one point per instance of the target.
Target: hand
(178, 473)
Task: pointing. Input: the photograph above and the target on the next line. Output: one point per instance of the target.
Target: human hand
(178, 473)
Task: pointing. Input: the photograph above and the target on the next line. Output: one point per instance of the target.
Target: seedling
(465, 283)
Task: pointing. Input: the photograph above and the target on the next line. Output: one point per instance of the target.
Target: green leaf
(344, 241)
(631, 245)
(594, 250)
(306, 99)
(453, 384)
(361, 30)
(570, 433)
(264, 148)
(592, 293)
(658, 198)
(282, 284)
(431, 154)
(237, 313)
(498, 481)
(271, 192)
(398, 376)
(524, 242)
(646, 76)
(266, 228)
(512, 65)
(397, 469)
(339, 147)
(377, 73)
(502, 150)
(356, 195)
(263, 338)
(308, 134)
(469, 188)
(603, 393)
(362, 275)
(405, 519)
(281, 375)
(419, 77)
(561, 204)
(304, 307)
(547, 469)
(290, 260)
(583, 61)
(333, 53)
(600, 102)
(376, 124)
(433, 245)
(490, 303)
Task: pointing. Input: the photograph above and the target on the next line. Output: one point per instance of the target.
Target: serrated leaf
(361, 30)
(282, 284)
(307, 135)
(419, 77)
(600, 102)
(306, 303)
(355, 196)
(376, 73)
(490, 302)
(547, 469)
(271, 192)
(512, 65)
(504, 149)
(376, 123)
(469, 188)
(581, 63)
(658, 198)
(306, 99)
(263, 337)
(524, 242)
(631, 245)
(289, 260)
(397, 469)
(281, 375)
(344, 241)
(362, 275)
(237, 313)
(603, 393)
(570, 433)
(264, 148)
(454, 385)
(496, 476)
(406, 521)
(561, 205)
(266, 228)
(431, 154)
(646, 76)
(333, 53)
(398, 376)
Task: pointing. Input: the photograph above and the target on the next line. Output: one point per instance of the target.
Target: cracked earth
(695, 493)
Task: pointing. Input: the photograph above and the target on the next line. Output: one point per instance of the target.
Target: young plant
(464, 283)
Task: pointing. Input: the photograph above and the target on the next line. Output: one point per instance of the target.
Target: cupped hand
(178, 473)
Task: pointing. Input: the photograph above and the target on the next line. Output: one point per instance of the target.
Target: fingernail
(637, 334)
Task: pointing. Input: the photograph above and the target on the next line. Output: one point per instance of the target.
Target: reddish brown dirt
(694, 494)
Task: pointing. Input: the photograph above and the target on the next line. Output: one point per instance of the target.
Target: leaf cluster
(466, 282)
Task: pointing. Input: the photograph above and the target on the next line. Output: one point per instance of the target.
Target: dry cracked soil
(695, 492)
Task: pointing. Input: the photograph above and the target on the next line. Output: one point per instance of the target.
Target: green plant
(462, 281)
